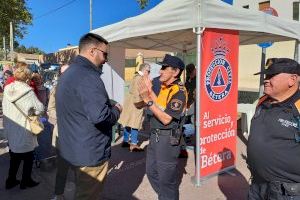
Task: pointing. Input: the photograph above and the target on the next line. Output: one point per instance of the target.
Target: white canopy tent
(176, 25)
(168, 26)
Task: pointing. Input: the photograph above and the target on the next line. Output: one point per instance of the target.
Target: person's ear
(293, 79)
(177, 71)
(92, 51)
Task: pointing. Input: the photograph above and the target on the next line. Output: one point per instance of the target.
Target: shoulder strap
(26, 116)
(261, 100)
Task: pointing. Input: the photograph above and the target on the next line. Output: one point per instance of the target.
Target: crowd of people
(82, 117)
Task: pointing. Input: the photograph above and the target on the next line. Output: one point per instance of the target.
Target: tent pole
(262, 67)
(199, 32)
(184, 60)
(296, 55)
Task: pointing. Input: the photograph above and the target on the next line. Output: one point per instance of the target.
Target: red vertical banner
(218, 106)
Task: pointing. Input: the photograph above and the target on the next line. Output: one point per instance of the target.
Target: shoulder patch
(297, 105)
(176, 104)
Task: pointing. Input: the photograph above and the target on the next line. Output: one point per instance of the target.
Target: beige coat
(131, 115)
(51, 111)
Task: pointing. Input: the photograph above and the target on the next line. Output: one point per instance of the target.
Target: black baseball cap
(172, 61)
(282, 65)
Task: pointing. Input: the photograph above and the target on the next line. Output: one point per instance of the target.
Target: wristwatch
(149, 103)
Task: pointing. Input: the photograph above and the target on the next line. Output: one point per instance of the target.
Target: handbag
(36, 126)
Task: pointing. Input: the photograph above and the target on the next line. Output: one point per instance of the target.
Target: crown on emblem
(220, 48)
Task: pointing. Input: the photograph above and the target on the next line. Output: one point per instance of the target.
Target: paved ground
(127, 180)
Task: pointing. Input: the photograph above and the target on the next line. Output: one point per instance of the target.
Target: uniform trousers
(269, 191)
(162, 167)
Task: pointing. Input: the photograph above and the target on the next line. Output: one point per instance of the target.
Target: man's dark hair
(90, 38)
(189, 68)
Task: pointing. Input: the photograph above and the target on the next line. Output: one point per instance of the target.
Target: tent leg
(262, 67)
(196, 178)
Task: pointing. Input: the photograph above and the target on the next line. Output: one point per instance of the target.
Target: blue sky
(65, 26)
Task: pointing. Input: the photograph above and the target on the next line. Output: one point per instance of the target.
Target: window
(264, 5)
(296, 11)
(130, 63)
(246, 6)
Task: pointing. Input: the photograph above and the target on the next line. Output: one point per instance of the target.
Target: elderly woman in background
(10, 78)
(133, 114)
(21, 141)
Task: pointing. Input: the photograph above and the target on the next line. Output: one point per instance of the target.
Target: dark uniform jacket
(172, 100)
(273, 152)
(84, 115)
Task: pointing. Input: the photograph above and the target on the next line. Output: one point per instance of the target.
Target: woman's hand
(144, 90)
(147, 82)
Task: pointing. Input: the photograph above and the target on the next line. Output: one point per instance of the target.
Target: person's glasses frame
(105, 54)
(269, 76)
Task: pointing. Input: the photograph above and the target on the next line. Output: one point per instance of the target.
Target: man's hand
(119, 106)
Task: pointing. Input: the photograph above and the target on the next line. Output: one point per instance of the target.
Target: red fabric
(9, 81)
(33, 86)
(12, 79)
(219, 73)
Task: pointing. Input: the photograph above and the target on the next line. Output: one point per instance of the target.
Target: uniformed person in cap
(167, 107)
(273, 146)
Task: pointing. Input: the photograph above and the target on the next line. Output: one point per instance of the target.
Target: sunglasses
(105, 54)
(269, 76)
(164, 67)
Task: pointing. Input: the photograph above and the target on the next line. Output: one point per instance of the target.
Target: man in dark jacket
(274, 143)
(85, 117)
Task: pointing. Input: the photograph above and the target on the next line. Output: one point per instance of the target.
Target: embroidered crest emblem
(218, 76)
(176, 104)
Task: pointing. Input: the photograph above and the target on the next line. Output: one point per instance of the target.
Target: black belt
(287, 189)
(161, 131)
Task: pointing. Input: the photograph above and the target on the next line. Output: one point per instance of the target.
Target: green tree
(31, 50)
(18, 13)
(143, 3)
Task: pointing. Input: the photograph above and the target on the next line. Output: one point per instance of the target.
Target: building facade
(250, 55)
(288, 9)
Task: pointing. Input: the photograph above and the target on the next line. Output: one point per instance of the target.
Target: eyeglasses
(164, 67)
(105, 54)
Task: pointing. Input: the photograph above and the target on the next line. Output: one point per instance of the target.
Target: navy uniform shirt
(273, 153)
(172, 100)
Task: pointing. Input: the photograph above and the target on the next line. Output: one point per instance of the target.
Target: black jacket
(84, 115)
(273, 152)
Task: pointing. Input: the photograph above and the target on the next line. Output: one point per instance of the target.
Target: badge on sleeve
(176, 104)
